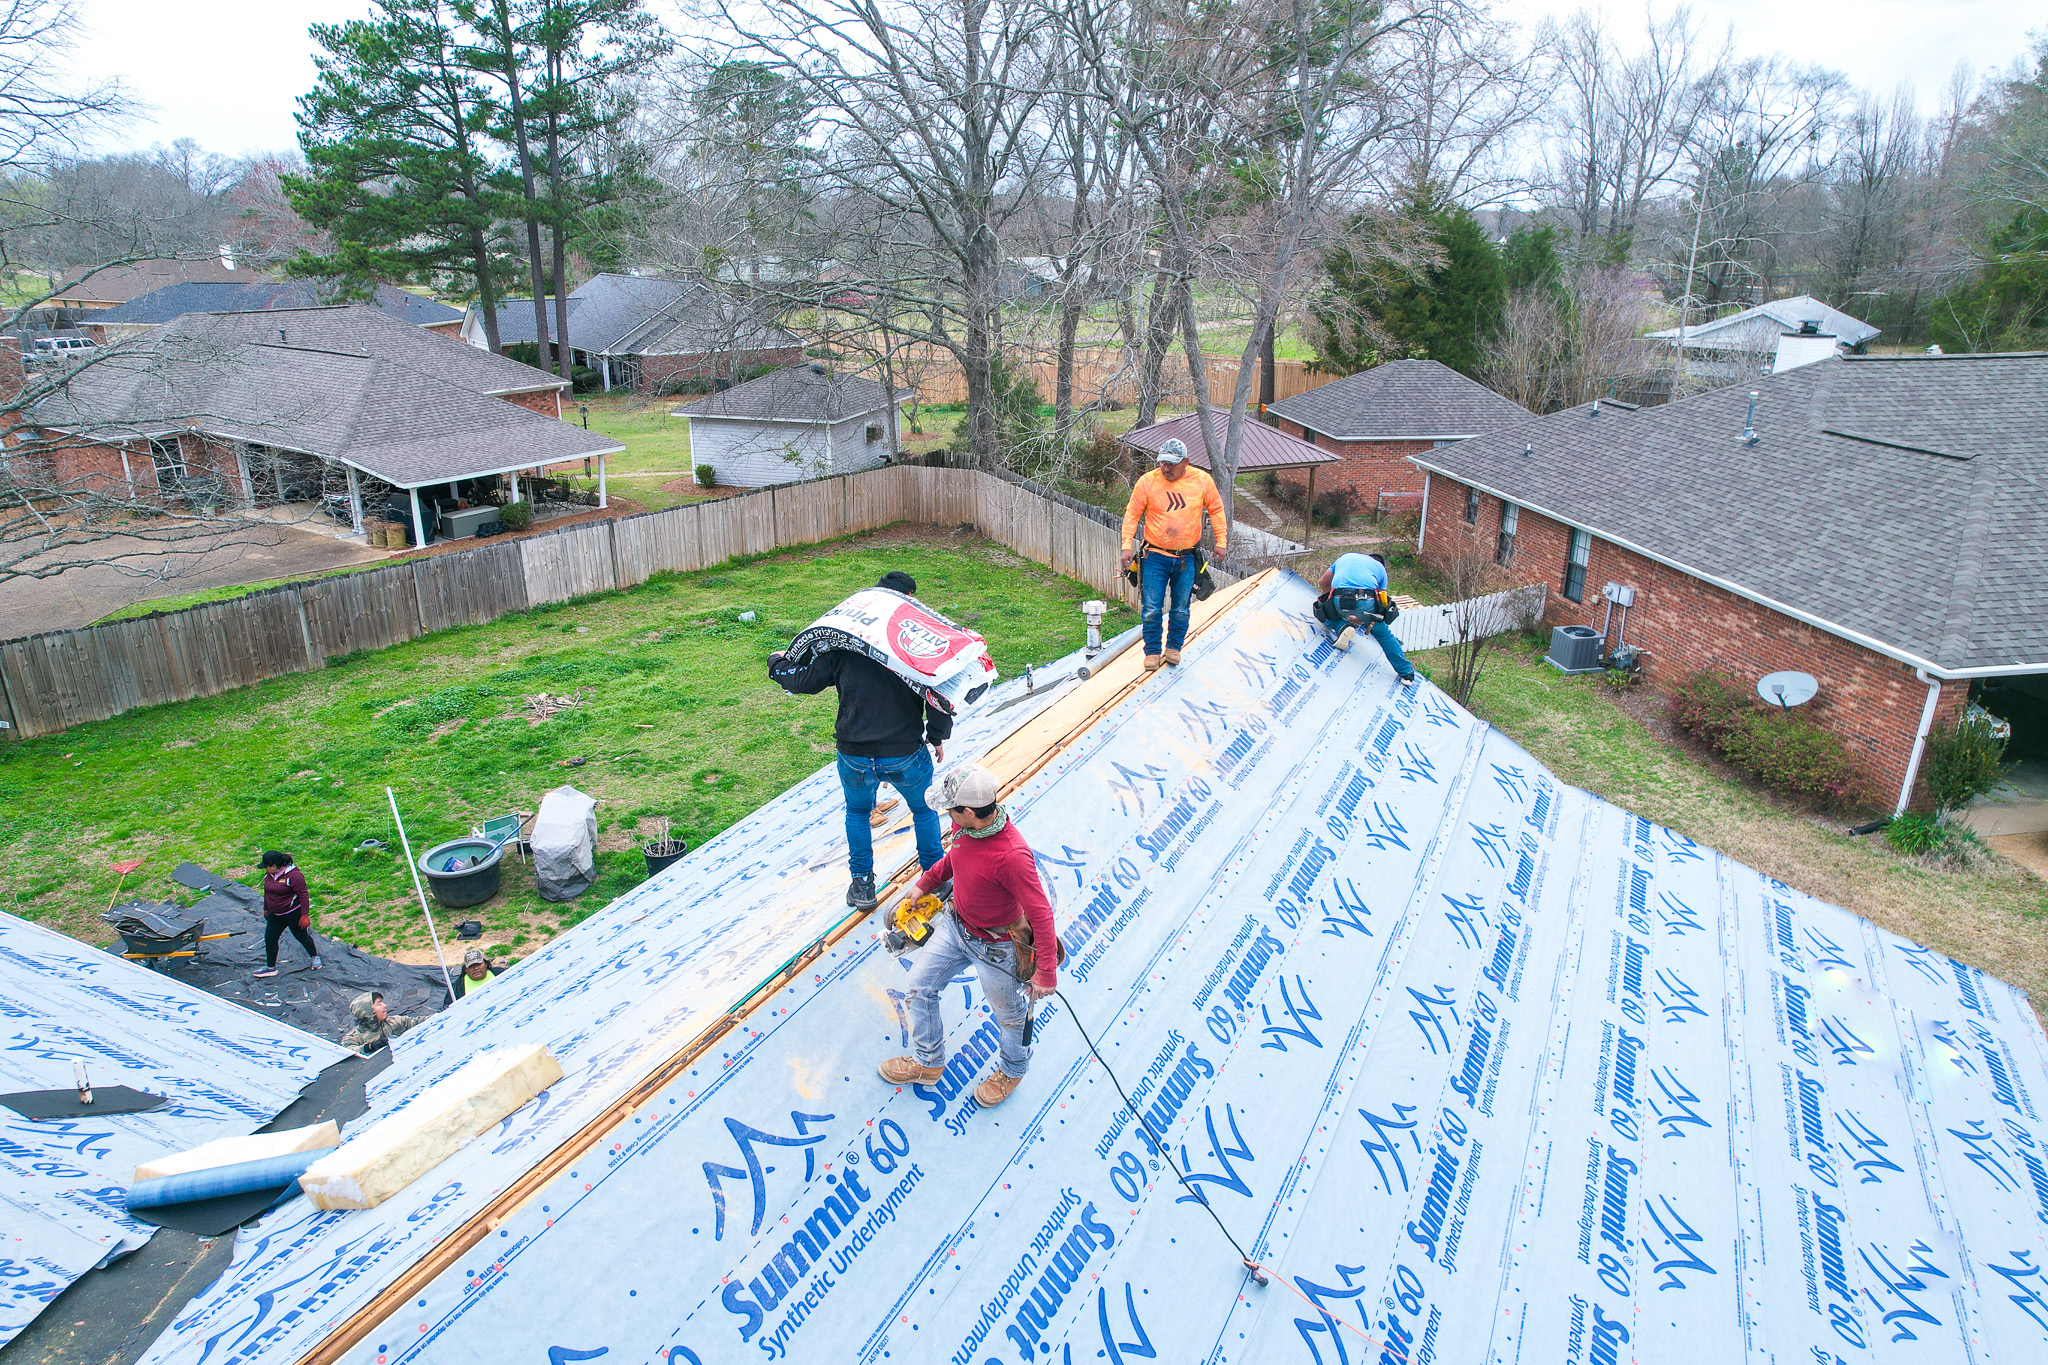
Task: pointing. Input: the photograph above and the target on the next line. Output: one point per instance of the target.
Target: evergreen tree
(396, 175)
(1447, 314)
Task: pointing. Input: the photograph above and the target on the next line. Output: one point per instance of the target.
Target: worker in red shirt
(995, 890)
(285, 906)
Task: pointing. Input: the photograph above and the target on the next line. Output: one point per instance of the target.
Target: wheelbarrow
(151, 934)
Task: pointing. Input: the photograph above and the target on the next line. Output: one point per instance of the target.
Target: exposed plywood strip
(1013, 761)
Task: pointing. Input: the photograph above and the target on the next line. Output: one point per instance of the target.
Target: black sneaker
(860, 894)
(1407, 680)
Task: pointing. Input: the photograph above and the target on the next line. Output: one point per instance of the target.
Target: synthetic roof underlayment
(226, 1070)
(1476, 1065)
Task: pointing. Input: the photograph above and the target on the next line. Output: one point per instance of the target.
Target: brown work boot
(1171, 656)
(1151, 663)
(996, 1088)
(909, 1071)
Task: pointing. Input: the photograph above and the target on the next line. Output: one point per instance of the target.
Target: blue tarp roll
(243, 1177)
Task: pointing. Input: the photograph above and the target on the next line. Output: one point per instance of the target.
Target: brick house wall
(1873, 703)
(657, 369)
(546, 402)
(450, 328)
(1368, 468)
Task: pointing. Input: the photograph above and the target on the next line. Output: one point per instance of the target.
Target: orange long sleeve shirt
(1171, 512)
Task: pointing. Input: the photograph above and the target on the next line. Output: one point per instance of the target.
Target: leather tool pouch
(1027, 951)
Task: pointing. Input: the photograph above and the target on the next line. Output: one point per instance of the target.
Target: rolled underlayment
(374, 1165)
(215, 1182)
(234, 1151)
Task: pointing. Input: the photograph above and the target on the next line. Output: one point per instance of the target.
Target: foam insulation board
(398, 1150)
(235, 1150)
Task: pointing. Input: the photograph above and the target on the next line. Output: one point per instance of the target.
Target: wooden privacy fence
(52, 682)
(1100, 372)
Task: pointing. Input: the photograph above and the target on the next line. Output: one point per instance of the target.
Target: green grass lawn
(655, 442)
(678, 720)
(1993, 916)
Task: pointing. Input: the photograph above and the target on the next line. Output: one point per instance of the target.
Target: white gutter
(1727, 585)
(1422, 529)
(1919, 739)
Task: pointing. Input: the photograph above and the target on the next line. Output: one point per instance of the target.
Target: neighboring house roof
(372, 331)
(120, 283)
(801, 393)
(1263, 447)
(1758, 328)
(379, 413)
(215, 296)
(1402, 400)
(629, 315)
(1894, 501)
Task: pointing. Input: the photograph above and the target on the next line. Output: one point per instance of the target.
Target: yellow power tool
(914, 917)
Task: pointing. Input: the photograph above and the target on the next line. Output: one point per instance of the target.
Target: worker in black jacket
(882, 732)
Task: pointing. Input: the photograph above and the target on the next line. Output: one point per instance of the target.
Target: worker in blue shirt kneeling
(1354, 597)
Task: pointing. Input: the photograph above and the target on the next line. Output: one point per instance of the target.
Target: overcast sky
(226, 73)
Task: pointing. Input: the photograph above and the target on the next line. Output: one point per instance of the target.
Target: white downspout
(1919, 739)
(419, 526)
(1423, 529)
(128, 472)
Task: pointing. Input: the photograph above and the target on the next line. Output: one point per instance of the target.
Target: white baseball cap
(1173, 452)
(968, 785)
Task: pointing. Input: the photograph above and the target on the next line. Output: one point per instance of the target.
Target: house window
(874, 434)
(1471, 507)
(1575, 565)
(169, 460)
(1510, 514)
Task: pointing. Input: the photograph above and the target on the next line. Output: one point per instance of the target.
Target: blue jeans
(1388, 643)
(1162, 571)
(938, 962)
(861, 779)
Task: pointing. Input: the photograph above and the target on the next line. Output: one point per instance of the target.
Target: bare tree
(1477, 615)
(1566, 343)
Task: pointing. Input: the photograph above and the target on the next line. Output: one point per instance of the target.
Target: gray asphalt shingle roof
(371, 331)
(629, 315)
(1401, 400)
(1900, 499)
(1758, 328)
(376, 412)
(214, 296)
(1263, 447)
(801, 393)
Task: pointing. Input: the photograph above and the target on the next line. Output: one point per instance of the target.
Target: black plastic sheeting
(317, 1002)
(36, 1105)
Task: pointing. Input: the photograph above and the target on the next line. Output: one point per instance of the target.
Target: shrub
(583, 379)
(1916, 834)
(677, 384)
(1097, 460)
(1269, 483)
(516, 516)
(1709, 706)
(1963, 760)
(1790, 754)
(707, 477)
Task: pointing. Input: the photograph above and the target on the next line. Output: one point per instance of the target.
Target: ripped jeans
(937, 963)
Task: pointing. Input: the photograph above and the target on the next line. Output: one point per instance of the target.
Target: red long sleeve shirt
(284, 893)
(995, 884)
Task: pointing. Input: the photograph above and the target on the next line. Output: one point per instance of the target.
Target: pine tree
(396, 175)
(1447, 314)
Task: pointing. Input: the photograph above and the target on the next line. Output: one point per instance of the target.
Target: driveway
(80, 596)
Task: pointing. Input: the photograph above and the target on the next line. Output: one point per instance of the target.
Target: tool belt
(1024, 962)
(1135, 575)
(1357, 605)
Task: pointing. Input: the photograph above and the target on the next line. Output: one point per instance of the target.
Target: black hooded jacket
(879, 715)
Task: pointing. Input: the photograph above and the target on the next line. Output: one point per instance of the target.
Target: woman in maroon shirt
(285, 907)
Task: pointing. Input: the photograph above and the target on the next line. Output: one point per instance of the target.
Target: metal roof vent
(817, 368)
(1749, 423)
(1810, 327)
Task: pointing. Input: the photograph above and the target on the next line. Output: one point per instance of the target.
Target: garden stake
(421, 892)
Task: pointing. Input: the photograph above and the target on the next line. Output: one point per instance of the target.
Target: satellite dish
(1787, 689)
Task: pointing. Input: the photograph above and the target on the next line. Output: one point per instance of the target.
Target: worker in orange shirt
(1168, 502)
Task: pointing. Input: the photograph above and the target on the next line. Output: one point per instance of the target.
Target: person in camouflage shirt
(375, 1024)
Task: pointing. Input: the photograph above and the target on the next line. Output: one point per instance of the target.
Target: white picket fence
(1434, 627)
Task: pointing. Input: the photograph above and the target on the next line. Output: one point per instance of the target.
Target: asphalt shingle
(214, 296)
(800, 393)
(1896, 498)
(370, 331)
(1402, 400)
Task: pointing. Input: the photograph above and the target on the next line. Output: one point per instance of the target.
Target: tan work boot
(1171, 656)
(996, 1088)
(1151, 663)
(909, 1071)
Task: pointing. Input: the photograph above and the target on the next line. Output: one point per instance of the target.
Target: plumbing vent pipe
(1749, 422)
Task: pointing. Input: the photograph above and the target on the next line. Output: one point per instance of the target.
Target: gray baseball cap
(968, 785)
(1173, 452)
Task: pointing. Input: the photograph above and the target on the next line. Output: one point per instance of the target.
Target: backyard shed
(803, 422)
